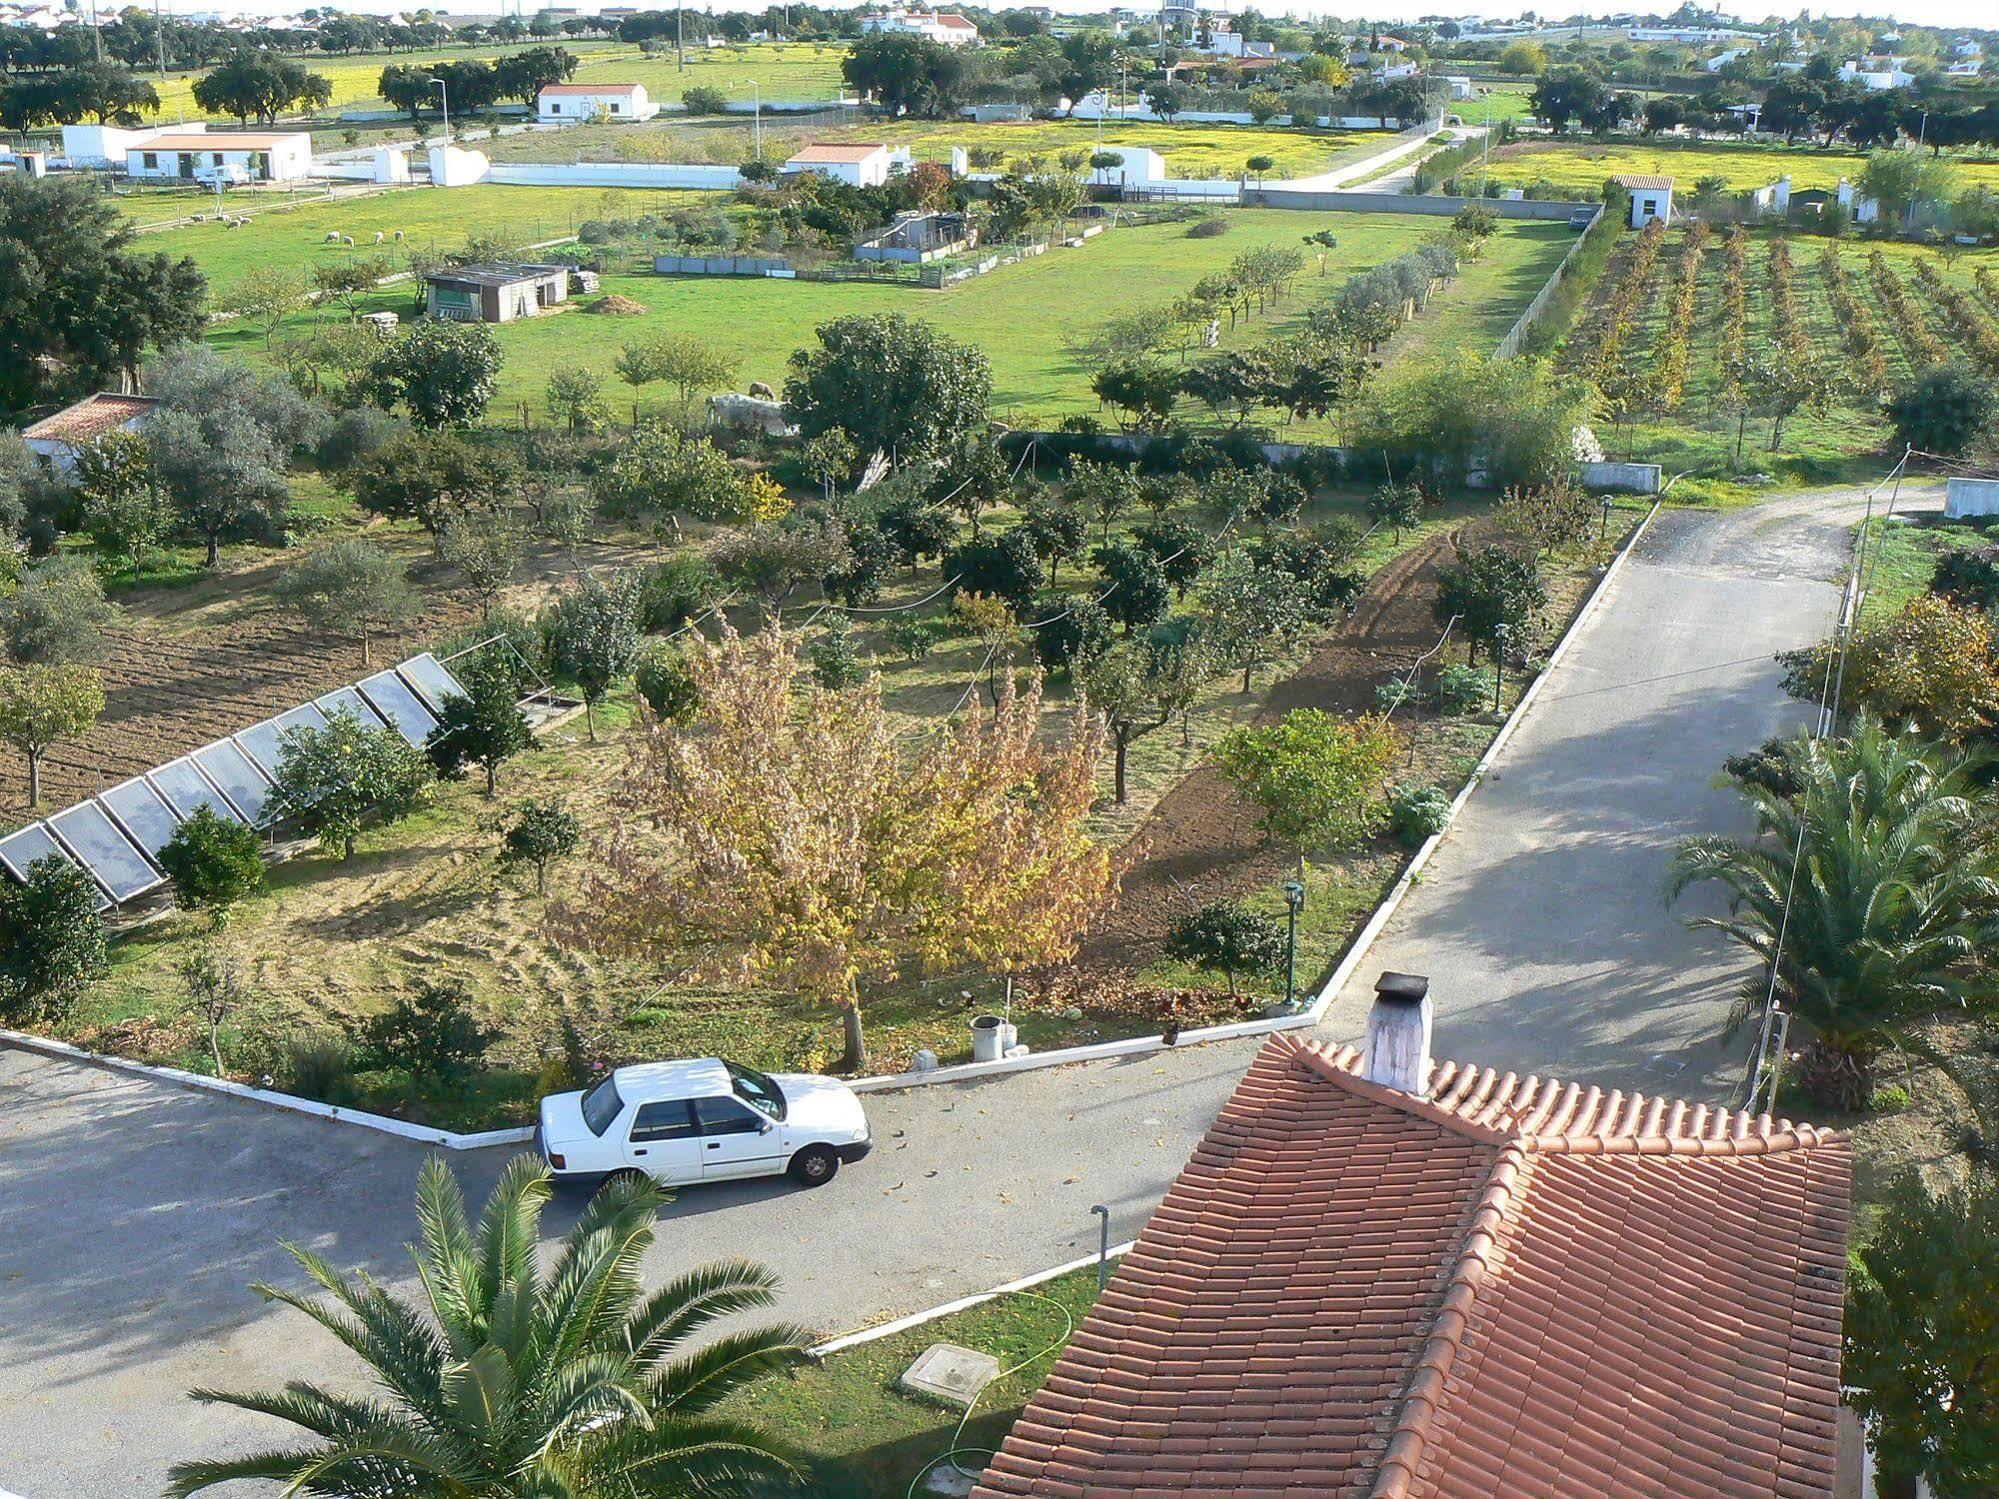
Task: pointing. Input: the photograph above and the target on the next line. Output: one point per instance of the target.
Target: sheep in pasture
(332, 237)
(378, 236)
(347, 240)
(399, 236)
(762, 391)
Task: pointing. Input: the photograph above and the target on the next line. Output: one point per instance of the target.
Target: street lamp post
(444, 104)
(1603, 536)
(757, 117)
(1294, 902)
(1500, 635)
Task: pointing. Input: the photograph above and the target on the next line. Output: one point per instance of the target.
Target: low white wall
(451, 166)
(1971, 497)
(614, 174)
(1625, 478)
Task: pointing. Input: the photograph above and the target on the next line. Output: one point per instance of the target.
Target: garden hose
(952, 1453)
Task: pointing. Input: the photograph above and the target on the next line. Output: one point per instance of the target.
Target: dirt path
(1201, 842)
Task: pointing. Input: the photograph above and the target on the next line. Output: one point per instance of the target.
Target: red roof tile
(1514, 1286)
(90, 418)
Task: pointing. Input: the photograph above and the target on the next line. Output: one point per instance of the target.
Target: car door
(735, 1140)
(665, 1142)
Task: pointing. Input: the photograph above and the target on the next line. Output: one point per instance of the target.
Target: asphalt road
(134, 1216)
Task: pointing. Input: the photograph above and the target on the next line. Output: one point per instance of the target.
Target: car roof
(701, 1077)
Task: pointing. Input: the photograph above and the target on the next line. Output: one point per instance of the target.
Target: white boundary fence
(966, 1072)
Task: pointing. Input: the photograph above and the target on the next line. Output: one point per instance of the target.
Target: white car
(701, 1121)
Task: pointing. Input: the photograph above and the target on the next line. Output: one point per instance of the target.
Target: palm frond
(693, 1299)
(695, 1382)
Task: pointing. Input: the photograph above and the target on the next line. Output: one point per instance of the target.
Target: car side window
(662, 1121)
(725, 1116)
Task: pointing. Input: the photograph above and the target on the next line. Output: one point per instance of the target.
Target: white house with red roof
(572, 103)
(858, 164)
(202, 155)
(945, 26)
(59, 437)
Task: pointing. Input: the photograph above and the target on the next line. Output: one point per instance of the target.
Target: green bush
(316, 1065)
(1227, 937)
(1460, 689)
(910, 635)
(666, 685)
(835, 663)
(213, 863)
(1417, 813)
(432, 1034)
(703, 100)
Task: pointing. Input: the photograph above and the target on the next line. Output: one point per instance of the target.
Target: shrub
(317, 1065)
(1393, 693)
(834, 662)
(213, 863)
(702, 100)
(673, 591)
(1969, 580)
(1417, 813)
(540, 833)
(432, 1034)
(1459, 689)
(1212, 228)
(666, 685)
(1226, 936)
(910, 635)
(1317, 779)
(1070, 633)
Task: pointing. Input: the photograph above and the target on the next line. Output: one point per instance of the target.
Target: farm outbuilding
(58, 438)
(567, 103)
(495, 293)
(253, 155)
(864, 164)
(1651, 198)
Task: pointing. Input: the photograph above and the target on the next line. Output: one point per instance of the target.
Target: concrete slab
(948, 1372)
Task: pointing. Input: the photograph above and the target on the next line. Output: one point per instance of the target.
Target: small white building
(246, 155)
(1722, 59)
(106, 145)
(1773, 199)
(58, 438)
(1877, 72)
(1389, 72)
(1865, 210)
(862, 164)
(945, 26)
(567, 103)
(26, 163)
(1651, 197)
(496, 292)
(1460, 85)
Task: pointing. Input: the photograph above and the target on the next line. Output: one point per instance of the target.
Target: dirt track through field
(1201, 842)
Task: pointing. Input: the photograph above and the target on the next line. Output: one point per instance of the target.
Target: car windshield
(756, 1090)
(602, 1104)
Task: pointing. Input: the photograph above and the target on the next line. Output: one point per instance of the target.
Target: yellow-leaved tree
(796, 836)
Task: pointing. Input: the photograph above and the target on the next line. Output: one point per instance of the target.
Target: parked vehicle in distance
(705, 1120)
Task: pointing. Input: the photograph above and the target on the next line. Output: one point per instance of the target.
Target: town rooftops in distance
(1491, 1285)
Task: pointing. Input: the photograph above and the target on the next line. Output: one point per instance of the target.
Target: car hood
(562, 1120)
(821, 1105)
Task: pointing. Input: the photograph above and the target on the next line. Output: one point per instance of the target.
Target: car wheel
(814, 1166)
(627, 1176)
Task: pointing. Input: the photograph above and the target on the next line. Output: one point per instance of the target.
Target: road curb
(965, 1072)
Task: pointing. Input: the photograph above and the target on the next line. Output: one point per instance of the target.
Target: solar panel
(352, 702)
(23, 850)
(95, 840)
(393, 699)
(224, 763)
(142, 814)
(187, 790)
(431, 680)
(262, 740)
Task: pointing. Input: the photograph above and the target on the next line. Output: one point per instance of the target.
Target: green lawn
(1023, 316)
(1582, 165)
(1903, 556)
(782, 71)
(429, 218)
(865, 1439)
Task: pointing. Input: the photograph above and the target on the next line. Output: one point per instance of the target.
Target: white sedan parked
(706, 1120)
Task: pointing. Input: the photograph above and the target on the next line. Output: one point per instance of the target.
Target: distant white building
(1225, 42)
(1965, 67)
(561, 103)
(945, 26)
(1968, 48)
(1722, 59)
(1389, 72)
(231, 155)
(864, 164)
(59, 438)
(1877, 72)
(1688, 35)
(1459, 85)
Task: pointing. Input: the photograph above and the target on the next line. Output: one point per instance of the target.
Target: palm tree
(1894, 905)
(570, 1382)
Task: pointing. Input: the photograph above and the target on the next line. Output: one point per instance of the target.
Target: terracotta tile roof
(222, 140)
(1643, 182)
(1512, 1287)
(829, 151)
(90, 418)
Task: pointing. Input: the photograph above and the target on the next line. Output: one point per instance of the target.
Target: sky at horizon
(1939, 13)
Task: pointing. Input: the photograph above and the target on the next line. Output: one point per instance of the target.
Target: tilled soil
(1202, 842)
(168, 694)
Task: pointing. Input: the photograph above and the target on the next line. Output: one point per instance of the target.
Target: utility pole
(680, 34)
(159, 39)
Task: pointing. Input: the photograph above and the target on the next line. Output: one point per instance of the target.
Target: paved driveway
(133, 1216)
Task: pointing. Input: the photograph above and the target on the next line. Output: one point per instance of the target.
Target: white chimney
(1398, 1034)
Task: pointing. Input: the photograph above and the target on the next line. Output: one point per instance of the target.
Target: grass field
(1023, 316)
(1699, 431)
(428, 217)
(1582, 166)
(1191, 151)
(785, 71)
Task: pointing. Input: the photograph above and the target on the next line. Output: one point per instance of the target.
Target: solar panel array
(116, 836)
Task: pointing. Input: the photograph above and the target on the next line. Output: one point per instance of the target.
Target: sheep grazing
(347, 240)
(762, 391)
(332, 237)
(399, 236)
(378, 236)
